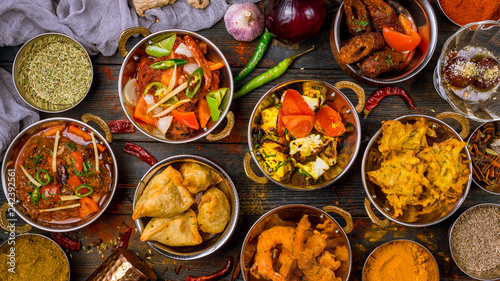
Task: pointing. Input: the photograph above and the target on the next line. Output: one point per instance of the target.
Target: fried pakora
(361, 46)
(417, 177)
(382, 62)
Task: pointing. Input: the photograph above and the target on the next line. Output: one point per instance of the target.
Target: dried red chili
(65, 242)
(123, 242)
(121, 126)
(373, 101)
(217, 275)
(140, 153)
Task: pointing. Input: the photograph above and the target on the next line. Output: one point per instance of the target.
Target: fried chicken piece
(361, 46)
(381, 62)
(356, 16)
(382, 14)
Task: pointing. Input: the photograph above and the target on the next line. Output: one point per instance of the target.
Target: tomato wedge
(401, 42)
(77, 160)
(203, 112)
(186, 118)
(330, 121)
(294, 104)
(299, 126)
(280, 127)
(87, 207)
(140, 112)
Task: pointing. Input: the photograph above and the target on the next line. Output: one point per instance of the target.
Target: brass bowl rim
(365, 179)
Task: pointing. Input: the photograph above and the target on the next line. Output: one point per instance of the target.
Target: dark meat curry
(60, 176)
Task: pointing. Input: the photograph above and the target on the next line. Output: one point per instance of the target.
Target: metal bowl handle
(126, 34)
(7, 226)
(91, 117)
(345, 214)
(373, 217)
(249, 172)
(460, 118)
(227, 130)
(360, 92)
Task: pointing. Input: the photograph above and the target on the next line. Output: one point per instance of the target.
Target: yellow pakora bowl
(290, 215)
(415, 215)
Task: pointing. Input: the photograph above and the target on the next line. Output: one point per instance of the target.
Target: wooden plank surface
(256, 199)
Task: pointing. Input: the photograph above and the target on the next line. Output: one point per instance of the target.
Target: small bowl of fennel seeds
(475, 241)
(52, 72)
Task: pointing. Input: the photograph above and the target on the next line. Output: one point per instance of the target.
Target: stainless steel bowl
(11, 156)
(129, 68)
(423, 16)
(446, 15)
(7, 245)
(209, 246)
(292, 214)
(349, 146)
(21, 64)
(378, 198)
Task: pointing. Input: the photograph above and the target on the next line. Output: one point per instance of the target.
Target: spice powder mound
(33, 254)
(475, 242)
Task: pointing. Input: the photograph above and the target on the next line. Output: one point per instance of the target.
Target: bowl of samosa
(185, 207)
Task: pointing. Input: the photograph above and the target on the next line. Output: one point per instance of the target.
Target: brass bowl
(129, 69)
(293, 213)
(423, 15)
(207, 247)
(378, 198)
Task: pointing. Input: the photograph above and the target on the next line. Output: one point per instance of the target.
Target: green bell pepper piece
(214, 99)
(194, 79)
(161, 48)
(167, 64)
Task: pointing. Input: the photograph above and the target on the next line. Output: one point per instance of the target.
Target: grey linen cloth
(97, 24)
(15, 114)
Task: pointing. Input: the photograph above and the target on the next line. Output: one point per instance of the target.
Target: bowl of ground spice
(465, 12)
(400, 260)
(474, 242)
(52, 72)
(26, 254)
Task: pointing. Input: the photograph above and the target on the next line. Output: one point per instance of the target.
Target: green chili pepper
(35, 195)
(161, 47)
(43, 177)
(262, 45)
(160, 87)
(72, 146)
(91, 190)
(268, 76)
(195, 79)
(214, 99)
(167, 64)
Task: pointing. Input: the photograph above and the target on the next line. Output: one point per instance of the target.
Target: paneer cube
(314, 168)
(275, 156)
(302, 148)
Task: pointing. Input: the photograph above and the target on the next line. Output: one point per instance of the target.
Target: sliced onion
(182, 49)
(150, 100)
(190, 68)
(129, 92)
(157, 110)
(163, 124)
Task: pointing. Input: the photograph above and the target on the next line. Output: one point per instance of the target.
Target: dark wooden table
(256, 199)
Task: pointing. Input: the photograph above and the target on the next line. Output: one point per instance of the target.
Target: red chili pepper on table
(121, 126)
(216, 276)
(373, 101)
(140, 153)
(123, 242)
(65, 242)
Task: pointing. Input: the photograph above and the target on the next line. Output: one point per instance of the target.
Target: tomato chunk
(77, 158)
(330, 121)
(203, 112)
(295, 104)
(87, 207)
(74, 181)
(299, 126)
(140, 112)
(186, 118)
(51, 192)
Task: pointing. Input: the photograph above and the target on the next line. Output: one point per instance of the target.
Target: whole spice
(65, 242)
(464, 12)
(216, 276)
(264, 41)
(373, 101)
(121, 126)
(474, 241)
(244, 21)
(400, 260)
(140, 153)
(123, 242)
(268, 76)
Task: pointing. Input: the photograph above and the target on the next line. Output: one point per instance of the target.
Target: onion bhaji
(361, 46)
(417, 177)
(356, 16)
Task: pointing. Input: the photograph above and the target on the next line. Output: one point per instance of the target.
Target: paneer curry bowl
(416, 170)
(304, 134)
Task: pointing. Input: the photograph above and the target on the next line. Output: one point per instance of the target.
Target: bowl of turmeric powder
(400, 260)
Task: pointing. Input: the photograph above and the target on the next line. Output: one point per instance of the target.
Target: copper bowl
(10, 160)
(129, 68)
(378, 198)
(293, 213)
